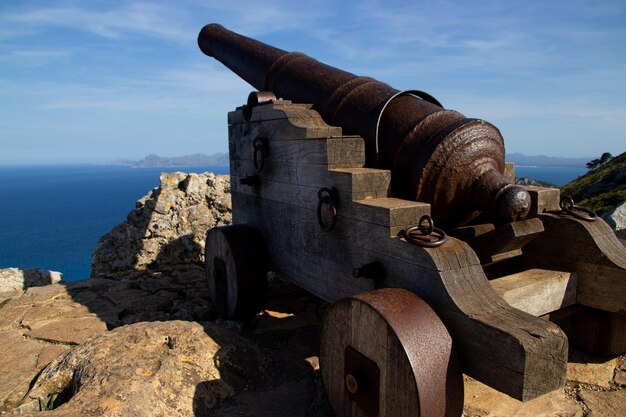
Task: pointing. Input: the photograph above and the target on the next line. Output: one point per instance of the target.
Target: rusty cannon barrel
(436, 156)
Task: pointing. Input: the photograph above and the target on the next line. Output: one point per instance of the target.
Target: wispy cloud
(171, 90)
(256, 18)
(34, 57)
(157, 20)
(79, 63)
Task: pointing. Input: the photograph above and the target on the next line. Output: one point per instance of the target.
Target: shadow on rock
(99, 346)
(166, 291)
(288, 383)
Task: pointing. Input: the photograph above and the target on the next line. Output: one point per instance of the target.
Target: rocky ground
(127, 348)
(140, 338)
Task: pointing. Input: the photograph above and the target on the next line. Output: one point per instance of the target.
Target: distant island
(195, 160)
(546, 161)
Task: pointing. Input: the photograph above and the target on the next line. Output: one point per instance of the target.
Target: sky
(95, 81)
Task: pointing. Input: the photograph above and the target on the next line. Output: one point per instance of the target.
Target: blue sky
(94, 81)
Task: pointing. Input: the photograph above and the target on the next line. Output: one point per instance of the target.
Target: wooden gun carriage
(412, 308)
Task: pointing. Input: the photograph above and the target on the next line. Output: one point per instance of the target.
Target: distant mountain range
(546, 161)
(195, 160)
(221, 159)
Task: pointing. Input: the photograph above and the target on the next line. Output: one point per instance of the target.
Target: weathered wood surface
(509, 172)
(344, 152)
(300, 116)
(291, 177)
(471, 231)
(592, 250)
(505, 238)
(419, 373)
(371, 204)
(236, 270)
(592, 330)
(537, 291)
(543, 200)
(506, 348)
(589, 248)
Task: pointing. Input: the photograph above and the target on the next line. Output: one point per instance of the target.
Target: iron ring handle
(568, 206)
(419, 234)
(325, 198)
(260, 146)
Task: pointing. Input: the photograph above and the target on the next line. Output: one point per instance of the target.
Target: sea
(52, 217)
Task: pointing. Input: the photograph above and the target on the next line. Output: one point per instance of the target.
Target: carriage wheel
(386, 353)
(236, 270)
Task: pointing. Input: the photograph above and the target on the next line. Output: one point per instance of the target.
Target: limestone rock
(483, 401)
(71, 331)
(19, 365)
(43, 310)
(166, 231)
(616, 218)
(532, 181)
(293, 399)
(586, 369)
(146, 369)
(15, 280)
(605, 403)
(220, 368)
(44, 322)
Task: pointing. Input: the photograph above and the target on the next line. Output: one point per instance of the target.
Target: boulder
(616, 218)
(174, 369)
(16, 280)
(35, 327)
(166, 232)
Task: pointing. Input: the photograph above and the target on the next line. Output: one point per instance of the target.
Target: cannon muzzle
(436, 156)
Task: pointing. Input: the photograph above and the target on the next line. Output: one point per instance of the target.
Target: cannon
(337, 183)
(436, 156)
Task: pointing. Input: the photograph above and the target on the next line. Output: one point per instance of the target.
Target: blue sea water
(558, 176)
(53, 216)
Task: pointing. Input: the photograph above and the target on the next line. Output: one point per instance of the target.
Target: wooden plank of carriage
(589, 248)
(543, 200)
(506, 238)
(334, 152)
(501, 346)
(537, 291)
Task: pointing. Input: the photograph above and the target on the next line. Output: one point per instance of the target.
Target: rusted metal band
(278, 66)
(254, 99)
(413, 93)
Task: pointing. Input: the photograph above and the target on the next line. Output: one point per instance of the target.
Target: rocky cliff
(165, 233)
(140, 337)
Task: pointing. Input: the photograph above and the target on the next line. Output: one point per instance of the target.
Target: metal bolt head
(351, 384)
